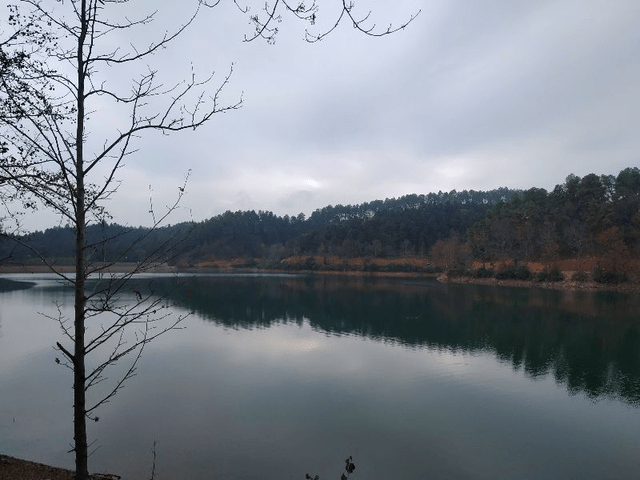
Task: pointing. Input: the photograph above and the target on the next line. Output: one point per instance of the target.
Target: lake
(277, 376)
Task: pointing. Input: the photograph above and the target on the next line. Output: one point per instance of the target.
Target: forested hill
(596, 215)
(397, 226)
(589, 216)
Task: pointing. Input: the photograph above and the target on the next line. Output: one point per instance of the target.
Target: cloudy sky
(472, 95)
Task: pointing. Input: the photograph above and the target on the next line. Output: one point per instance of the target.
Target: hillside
(596, 216)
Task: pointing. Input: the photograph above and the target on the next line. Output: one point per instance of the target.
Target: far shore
(561, 285)
(352, 269)
(120, 267)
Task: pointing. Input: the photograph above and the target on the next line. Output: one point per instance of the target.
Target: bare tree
(56, 67)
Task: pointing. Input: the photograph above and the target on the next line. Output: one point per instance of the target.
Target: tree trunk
(79, 374)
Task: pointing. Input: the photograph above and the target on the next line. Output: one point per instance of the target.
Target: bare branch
(359, 24)
(65, 351)
(266, 25)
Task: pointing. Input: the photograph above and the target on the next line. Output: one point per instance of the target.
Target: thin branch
(359, 24)
(69, 355)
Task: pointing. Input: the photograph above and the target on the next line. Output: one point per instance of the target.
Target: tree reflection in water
(588, 341)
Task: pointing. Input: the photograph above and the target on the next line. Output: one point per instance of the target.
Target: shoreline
(233, 268)
(120, 267)
(566, 285)
(12, 468)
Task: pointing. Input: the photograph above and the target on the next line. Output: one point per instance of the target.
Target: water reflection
(276, 376)
(8, 285)
(589, 342)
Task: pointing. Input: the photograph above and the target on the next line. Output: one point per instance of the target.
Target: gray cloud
(473, 95)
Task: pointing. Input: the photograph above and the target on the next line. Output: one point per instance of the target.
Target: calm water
(277, 376)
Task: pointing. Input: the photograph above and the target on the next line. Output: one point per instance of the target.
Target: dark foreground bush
(580, 277)
(455, 272)
(514, 272)
(483, 272)
(555, 275)
(601, 275)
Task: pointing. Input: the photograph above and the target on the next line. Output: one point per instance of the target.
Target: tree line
(596, 215)
(408, 225)
(593, 216)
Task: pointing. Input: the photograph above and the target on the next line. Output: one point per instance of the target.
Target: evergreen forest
(593, 216)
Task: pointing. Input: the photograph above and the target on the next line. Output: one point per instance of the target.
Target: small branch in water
(153, 466)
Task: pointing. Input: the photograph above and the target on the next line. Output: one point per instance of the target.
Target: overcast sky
(472, 95)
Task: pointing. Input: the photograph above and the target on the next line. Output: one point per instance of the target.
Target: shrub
(269, 264)
(483, 272)
(522, 272)
(601, 275)
(514, 272)
(399, 267)
(555, 275)
(455, 273)
(309, 264)
(503, 273)
(580, 277)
